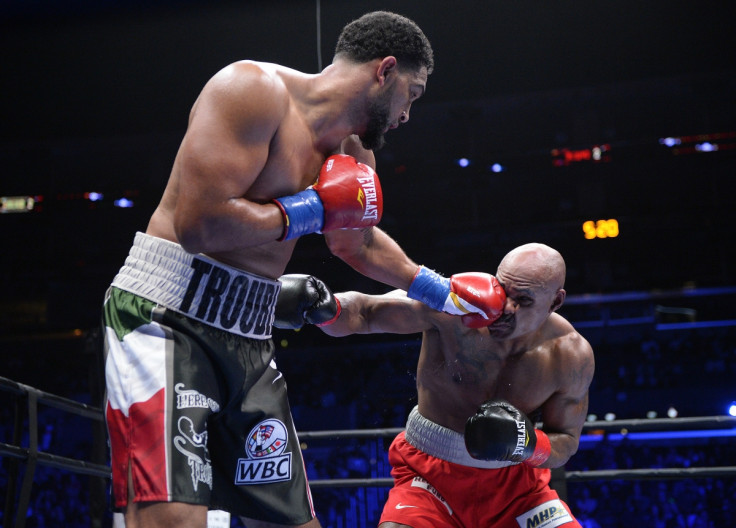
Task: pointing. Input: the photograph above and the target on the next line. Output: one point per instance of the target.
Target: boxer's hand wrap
(304, 299)
(500, 431)
(478, 297)
(347, 195)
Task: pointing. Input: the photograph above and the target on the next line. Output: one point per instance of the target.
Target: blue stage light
(123, 202)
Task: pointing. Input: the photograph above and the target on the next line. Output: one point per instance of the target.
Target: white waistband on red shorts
(199, 287)
(440, 442)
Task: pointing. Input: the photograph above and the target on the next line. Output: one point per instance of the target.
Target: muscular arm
(392, 312)
(223, 152)
(564, 413)
(373, 253)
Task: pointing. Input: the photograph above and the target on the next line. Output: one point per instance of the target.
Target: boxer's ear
(386, 68)
(558, 300)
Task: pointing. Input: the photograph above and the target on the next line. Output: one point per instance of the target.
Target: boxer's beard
(378, 121)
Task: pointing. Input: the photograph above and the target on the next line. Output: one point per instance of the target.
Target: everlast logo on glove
(368, 193)
(521, 438)
(350, 193)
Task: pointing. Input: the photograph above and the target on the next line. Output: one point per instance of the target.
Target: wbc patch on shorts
(547, 515)
(266, 461)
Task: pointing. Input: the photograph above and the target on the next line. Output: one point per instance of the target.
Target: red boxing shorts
(196, 408)
(451, 489)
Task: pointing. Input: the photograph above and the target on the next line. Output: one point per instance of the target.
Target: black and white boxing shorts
(195, 404)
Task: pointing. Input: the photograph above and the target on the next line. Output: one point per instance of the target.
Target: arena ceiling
(95, 97)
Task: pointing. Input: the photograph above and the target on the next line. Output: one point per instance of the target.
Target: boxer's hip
(441, 442)
(199, 287)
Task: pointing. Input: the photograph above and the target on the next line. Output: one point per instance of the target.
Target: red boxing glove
(347, 195)
(482, 291)
(350, 192)
(477, 297)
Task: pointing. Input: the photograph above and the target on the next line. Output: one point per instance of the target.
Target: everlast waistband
(441, 442)
(199, 287)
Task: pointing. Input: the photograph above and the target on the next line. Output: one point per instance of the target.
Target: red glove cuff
(286, 221)
(542, 451)
(337, 314)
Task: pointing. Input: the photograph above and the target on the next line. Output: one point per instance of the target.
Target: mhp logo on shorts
(548, 515)
(266, 460)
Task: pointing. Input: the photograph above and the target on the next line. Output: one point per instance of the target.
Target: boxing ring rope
(596, 426)
(596, 429)
(36, 397)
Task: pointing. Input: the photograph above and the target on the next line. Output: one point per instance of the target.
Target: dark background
(95, 97)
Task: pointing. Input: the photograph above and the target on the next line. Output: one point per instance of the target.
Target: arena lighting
(651, 414)
(463, 162)
(93, 196)
(609, 417)
(700, 143)
(18, 204)
(732, 409)
(596, 154)
(588, 440)
(670, 141)
(497, 167)
(672, 412)
(706, 147)
(123, 202)
(592, 417)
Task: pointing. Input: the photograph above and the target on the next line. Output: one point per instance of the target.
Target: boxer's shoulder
(247, 86)
(561, 336)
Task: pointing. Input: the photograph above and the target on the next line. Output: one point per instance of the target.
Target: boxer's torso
(285, 160)
(460, 368)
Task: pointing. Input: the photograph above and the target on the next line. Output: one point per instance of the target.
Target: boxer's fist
(304, 299)
(351, 193)
(500, 431)
(347, 195)
(478, 297)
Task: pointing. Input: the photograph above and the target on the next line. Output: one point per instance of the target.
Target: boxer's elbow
(192, 243)
(563, 449)
(193, 236)
(348, 245)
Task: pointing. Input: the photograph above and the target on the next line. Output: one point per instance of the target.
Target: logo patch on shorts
(192, 444)
(187, 399)
(419, 482)
(547, 515)
(266, 460)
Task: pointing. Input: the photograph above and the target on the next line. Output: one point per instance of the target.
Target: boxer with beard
(197, 411)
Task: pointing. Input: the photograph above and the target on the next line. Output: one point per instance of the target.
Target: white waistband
(199, 287)
(441, 442)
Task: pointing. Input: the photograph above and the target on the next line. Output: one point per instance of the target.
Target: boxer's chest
(478, 373)
(293, 162)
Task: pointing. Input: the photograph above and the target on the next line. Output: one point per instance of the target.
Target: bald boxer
(197, 412)
(472, 454)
